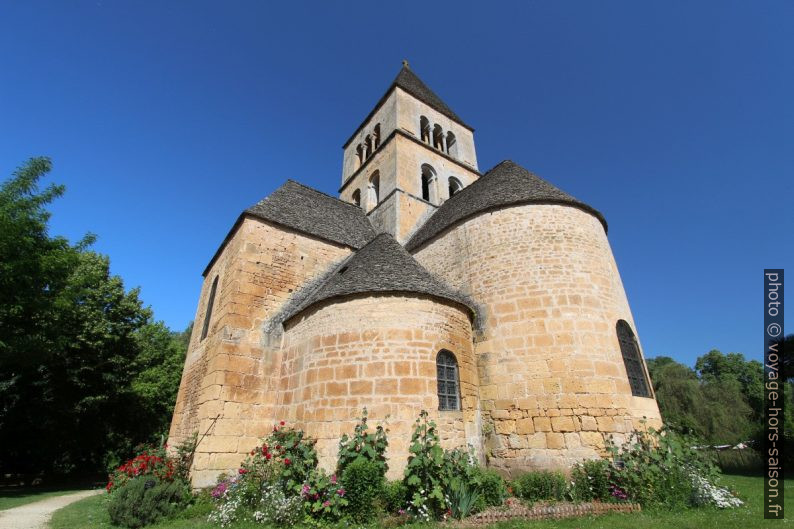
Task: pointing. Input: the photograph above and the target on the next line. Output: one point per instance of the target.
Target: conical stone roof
(506, 184)
(384, 266)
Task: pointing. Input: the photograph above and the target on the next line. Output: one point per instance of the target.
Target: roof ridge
(322, 193)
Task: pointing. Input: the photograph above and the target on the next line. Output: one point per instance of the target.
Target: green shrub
(393, 497)
(661, 468)
(540, 485)
(362, 484)
(590, 480)
(492, 488)
(144, 500)
(366, 445)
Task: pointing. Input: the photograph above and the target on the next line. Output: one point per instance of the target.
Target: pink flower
(326, 503)
(305, 490)
(333, 479)
(341, 492)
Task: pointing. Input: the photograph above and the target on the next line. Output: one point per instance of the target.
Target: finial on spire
(405, 64)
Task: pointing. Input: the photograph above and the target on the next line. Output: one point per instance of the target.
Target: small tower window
(428, 181)
(360, 155)
(376, 136)
(368, 147)
(454, 186)
(424, 129)
(632, 359)
(374, 189)
(357, 197)
(208, 314)
(448, 381)
(438, 138)
(452, 144)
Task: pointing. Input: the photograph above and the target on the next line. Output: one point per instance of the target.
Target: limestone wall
(410, 158)
(232, 374)
(377, 352)
(552, 379)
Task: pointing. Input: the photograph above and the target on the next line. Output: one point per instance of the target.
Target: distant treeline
(721, 400)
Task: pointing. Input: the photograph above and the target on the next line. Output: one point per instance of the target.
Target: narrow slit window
(208, 315)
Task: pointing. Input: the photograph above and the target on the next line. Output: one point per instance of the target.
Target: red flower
(242, 471)
(287, 461)
(282, 423)
(267, 456)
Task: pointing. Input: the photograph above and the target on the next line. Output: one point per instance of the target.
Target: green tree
(718, 368)
(84, 374)
(161, 356)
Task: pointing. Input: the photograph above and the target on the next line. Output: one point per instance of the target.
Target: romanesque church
(489, 298)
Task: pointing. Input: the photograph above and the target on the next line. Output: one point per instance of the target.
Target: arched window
(368, 147)
(376, 136)
(428, 183)
(374, 189)
(454, 186)
(448, 381)
(452, 144)
(438, 138)
(632, 359)
(360, 155)
(357, 198)
(424, 129)
(208, 314)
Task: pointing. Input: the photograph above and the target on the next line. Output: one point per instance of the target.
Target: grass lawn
(15, 497)
(91, 513)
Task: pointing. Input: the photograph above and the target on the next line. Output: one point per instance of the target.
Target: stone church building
(490, 299)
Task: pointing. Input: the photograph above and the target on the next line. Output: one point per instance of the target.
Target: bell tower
(408, 156)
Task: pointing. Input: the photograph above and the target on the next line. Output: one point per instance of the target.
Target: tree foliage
(720, 401)
(84, 372)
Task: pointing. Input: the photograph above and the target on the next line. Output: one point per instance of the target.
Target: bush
(492, 488)
(276, 472)
(540, 485)
(362, 483)
(145, 500)
(661, 468)
(590, 480)
(364, 445)
(151, 462)
(394, 497)
(323, 498)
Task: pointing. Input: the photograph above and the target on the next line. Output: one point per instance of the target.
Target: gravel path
(36, 515)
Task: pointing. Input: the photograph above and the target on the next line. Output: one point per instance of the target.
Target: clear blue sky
(675, 119)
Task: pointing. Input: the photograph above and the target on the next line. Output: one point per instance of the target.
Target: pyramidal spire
(410, 82)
